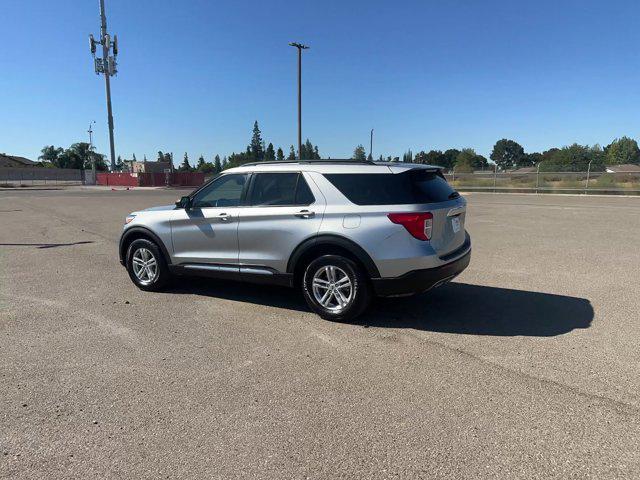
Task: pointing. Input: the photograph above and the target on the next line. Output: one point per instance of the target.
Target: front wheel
(146, 265)
(336, 288)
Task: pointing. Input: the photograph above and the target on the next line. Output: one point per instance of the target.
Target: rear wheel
(146, 265)
(336, 288)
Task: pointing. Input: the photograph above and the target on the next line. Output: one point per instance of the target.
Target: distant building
(13, 161)
(135, 166)
(623, 168)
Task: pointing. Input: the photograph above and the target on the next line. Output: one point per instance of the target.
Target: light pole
(93, 158)
(371, 145)
(300, 47)
(107, 66)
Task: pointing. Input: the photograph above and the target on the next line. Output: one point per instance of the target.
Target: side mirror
(184, 202)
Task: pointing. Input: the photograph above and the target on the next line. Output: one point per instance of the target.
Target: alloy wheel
(332, 288)
(145, 266)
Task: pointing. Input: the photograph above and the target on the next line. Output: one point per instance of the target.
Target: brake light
(418, 224)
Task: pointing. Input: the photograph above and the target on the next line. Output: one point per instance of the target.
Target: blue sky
(194, 75)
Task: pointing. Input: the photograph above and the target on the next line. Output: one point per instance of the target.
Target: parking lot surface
(526, 366)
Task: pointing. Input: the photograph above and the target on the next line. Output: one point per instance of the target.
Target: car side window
(303, 192)
(280, 189)
(225, 191)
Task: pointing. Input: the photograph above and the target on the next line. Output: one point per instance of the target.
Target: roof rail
(329, 161)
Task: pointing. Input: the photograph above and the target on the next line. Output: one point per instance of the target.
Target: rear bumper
(418, 281)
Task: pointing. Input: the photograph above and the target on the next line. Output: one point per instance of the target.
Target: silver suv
(341, 230)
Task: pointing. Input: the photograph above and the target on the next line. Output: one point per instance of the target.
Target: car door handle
(305, 214)
(224, 216)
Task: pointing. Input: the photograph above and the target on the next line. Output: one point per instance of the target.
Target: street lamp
(93, 158)
(371, 145)
(300, 47)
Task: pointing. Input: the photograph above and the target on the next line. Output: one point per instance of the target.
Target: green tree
(574, 158)
(79, 155)
(407, 157)
(507, 154)
(269, 153)
(534, 158)
(292, 154)
(256, 147)
(201, 164)
(449, 158)
(184, 166)
(468, 160)
(51, 155)
(622, 151)
(160, 156)
(217, 164)
(134, 157)
(359, 153)
(279, 155)
(309, 151)
(120, 164)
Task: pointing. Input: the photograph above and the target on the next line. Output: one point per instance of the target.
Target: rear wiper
(453, 195)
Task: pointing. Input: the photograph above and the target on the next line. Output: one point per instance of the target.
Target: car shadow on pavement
(480, 310)
(453, 308)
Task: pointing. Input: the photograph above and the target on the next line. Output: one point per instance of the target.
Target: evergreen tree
(160, 156)
(185, 167)
(200, 166)
(307, 151)
(359, 153)
(292, 154)
(407, 157)
(134, 157)
(269, 154)
(621, 151)
(217, 165)
(144, 159)
(316, 153)
(256, 149)
(279, 155)
(119, 164)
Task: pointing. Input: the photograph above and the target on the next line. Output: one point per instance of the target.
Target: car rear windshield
(413, 186)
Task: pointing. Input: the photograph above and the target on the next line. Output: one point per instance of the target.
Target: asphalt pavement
(526, 366)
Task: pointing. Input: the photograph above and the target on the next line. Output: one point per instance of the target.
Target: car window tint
(225, 191)
(303, 192)
(274, 189)
(414, 186)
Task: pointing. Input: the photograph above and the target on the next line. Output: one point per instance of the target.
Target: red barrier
(175, 179)
(117, 179)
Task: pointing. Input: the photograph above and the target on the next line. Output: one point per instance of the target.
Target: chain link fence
(619, 183)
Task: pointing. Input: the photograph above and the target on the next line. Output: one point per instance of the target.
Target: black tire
(359, 288)
(161, 275)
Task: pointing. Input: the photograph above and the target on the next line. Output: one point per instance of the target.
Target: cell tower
(106, 66)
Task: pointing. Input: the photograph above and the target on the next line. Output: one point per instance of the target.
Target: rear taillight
(418, 224)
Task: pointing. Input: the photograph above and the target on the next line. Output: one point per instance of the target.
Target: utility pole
(93, 157)
(300, 47)
(371, 145)
(107, 66)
